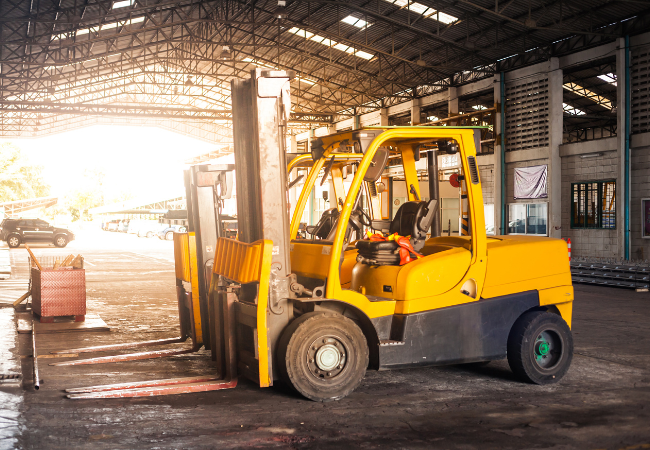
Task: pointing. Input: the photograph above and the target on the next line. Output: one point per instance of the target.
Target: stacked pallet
(626, 274)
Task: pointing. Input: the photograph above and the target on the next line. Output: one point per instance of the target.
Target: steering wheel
(364, 215)
(359, 218)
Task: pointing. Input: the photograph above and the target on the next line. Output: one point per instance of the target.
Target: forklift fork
(188, 329)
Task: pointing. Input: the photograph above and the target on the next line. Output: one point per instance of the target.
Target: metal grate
(473, 169)
(640, 87)
(526, 114)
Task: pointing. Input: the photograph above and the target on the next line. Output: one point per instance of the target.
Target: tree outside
(19, 179)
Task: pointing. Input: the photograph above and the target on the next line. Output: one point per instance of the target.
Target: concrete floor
(603, 402)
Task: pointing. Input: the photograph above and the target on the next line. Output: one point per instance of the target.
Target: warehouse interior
(508, 122)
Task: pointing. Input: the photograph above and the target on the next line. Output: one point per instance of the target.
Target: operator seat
(325, 229)
(412, 219)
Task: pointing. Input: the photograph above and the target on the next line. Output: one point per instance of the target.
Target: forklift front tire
(323, 355)
(540, 347)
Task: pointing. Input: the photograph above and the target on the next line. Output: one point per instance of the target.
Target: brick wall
(597, 243)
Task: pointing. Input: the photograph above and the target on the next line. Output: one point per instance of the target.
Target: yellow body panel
(433, 275)
(312, 260)
(194, 280)
(182, 256)
(248, 263)
(524, 263)
(427, 277)
(566, 311)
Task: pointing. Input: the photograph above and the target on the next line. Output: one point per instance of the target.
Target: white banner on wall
(530, 182)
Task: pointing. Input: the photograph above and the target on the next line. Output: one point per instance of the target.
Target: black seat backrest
(414, 219)
(325, 225)
(404, 219)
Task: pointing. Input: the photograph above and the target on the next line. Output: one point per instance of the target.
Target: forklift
(317, 313)
(466, 299)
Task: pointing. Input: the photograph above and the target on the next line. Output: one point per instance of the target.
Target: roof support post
(556, 113)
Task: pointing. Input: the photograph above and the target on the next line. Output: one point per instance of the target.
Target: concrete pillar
(620, 145)
(383, 117)
(499, 148)
(415, 111)
(555, 110)
(294, 144)
(453, 101)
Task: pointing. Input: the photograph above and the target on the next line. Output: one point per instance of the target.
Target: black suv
(18, 231)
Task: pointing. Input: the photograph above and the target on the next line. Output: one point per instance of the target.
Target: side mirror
(377, 165)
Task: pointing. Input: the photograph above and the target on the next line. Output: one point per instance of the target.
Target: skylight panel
(329, 43)
(424, 10)
(609, 78)
(572, 111)
(123, 4)
(95, 29)
(591, 95)
(359, 23)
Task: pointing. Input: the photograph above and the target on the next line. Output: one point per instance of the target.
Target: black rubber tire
(13, 241)
(522, 356)
(298, 340)
(149, 234)
(60, 240)
(169, 235)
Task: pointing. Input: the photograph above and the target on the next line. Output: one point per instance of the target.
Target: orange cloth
(404, 243)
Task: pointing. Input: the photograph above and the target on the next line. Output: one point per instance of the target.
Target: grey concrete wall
(598, 243)
(640, 189)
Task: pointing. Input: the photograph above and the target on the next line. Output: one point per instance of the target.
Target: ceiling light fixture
(281, 11)
(225, 53)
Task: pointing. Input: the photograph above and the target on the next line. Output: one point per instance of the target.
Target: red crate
(59, 292)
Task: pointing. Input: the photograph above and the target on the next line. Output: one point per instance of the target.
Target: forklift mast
(261, 107)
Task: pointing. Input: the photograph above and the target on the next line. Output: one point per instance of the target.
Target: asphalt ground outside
(602, 403)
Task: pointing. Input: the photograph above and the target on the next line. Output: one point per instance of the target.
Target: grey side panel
(476, 331)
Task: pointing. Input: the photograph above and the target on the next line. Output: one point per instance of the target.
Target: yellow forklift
(466, 299)
(317, 313)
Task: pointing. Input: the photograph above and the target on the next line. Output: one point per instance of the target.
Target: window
(528, 218)
(489, 218)
(593, 205)
(450, 215)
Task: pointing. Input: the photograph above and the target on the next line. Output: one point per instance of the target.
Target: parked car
(111, 225)
(19, 231)
(149, 228)
(167, 233)
(123, 226)
(134, 226)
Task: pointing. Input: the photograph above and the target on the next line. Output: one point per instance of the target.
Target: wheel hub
(326, 357)
(542, 348)
(547, 349)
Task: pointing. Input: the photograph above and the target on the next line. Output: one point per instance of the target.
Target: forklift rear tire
(323, 355)
(540, 347)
